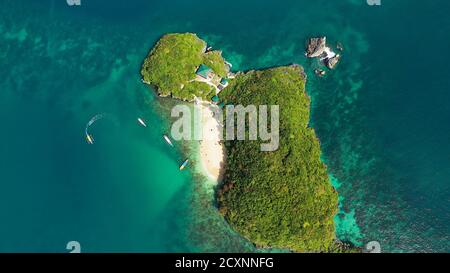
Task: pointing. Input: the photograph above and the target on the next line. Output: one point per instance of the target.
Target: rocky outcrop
(316, 47)
(332, 62)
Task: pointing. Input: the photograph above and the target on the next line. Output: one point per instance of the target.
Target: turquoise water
(382, 118)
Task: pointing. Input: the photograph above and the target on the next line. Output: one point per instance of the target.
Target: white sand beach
(212, 152)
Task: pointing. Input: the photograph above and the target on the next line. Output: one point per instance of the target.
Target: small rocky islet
(317, 48)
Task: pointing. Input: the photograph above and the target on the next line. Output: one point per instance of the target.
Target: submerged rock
(316, 47)
(320, 72)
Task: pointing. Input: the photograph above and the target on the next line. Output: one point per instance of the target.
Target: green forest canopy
(171, 66)
(280, 199)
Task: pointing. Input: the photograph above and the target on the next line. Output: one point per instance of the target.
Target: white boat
(89, 139)
(142, 122)
(167, 139)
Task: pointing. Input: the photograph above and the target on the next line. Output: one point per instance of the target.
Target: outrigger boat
(184, 164)
(89, 139)
(167, 139)
(142, 122)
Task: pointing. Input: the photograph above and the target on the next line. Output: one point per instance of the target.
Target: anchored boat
(167, 139)
(142, 122)
(184, 164)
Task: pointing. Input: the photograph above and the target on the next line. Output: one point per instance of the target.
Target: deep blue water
(382, 117)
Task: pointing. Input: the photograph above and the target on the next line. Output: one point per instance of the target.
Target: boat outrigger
(142, 122)
(89, 139)
(184, 164)
(167, 139)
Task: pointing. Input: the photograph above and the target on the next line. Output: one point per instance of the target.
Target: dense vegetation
(280, 199)
(170, 67)
(215, 61)
(284, 198)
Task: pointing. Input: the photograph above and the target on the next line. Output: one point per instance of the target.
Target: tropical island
(280, 199)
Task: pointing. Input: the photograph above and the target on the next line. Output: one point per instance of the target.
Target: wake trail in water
(89, 137)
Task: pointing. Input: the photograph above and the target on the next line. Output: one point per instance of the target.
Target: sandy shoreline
(212, 152)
